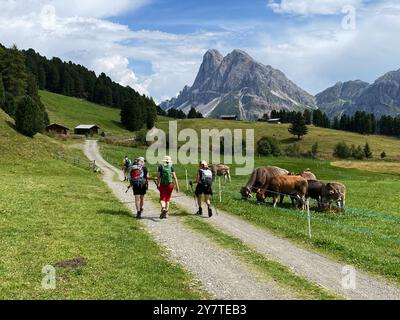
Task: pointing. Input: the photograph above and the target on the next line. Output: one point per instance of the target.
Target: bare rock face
(238, 85)
(335, 100)
(380, 98)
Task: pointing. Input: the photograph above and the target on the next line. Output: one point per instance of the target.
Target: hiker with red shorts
(167, 179)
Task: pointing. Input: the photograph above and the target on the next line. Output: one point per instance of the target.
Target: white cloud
(311, 7)
(320, 53)
(117, 67)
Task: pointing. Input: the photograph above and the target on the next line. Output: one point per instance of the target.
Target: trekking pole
(194, 196)
(128, 189)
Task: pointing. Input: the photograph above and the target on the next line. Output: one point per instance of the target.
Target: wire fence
(315, 216)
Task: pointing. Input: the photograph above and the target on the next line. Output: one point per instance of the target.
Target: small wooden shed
(56, 128)
(87, 129)
(229, 117)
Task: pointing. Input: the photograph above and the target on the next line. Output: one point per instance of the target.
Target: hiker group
(166, 181)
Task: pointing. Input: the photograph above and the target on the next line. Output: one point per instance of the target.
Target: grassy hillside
(15, 146)
(72, 111)
(326, 138)
(358, 237)
(52, 211)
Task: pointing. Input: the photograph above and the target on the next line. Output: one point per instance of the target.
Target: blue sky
(156, 46)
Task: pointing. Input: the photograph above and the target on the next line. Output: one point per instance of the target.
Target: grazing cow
(334, 192)
(221, 170)
(306, 174)
(259, 178)
(293, 186)
(315, 190)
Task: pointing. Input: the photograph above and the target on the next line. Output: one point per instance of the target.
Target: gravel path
(222, 274)
(315, 267)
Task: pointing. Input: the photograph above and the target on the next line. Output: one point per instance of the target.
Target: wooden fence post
(220, 190)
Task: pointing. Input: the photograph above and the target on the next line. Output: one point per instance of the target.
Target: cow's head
(246, 193)
(261, 195)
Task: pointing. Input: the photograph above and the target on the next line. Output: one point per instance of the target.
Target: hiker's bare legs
(199, 201)
(207, 199)
(138, 203)
(141, 203)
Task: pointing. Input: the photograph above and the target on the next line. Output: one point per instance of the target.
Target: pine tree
(14, 72)
(367, 151)
(298, 127)
(29, 117)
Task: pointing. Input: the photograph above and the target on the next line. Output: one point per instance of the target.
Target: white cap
(141, 159)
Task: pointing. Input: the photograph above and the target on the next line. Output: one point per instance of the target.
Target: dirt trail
(221, 273)
(315, 267)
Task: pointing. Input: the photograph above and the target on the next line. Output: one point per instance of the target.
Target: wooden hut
(56, 128)
(87, 129)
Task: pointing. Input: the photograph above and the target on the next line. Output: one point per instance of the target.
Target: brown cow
(293, 186)
(259, 178)
(221, 170)
(334, 192)
(306, 174)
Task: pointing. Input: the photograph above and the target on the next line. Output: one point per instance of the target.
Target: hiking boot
(200, 212)
(139, 215)
(210, 212)
(163, 214)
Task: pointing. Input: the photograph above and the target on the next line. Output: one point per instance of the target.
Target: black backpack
(206, 177)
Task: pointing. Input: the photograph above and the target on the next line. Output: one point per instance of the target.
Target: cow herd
(277, 183)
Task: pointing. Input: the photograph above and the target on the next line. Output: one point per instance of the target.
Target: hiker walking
(167, 179)
(140, 184)
(204, 180)
(126, 166)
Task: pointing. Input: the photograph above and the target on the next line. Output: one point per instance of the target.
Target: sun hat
(167, 159)
(204, 164)
(141, 159)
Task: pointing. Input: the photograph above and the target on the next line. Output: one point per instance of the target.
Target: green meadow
(52, 212)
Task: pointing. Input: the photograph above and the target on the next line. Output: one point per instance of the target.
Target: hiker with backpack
(126, 166)
(166, 181)
(139, 182)
(204, 180)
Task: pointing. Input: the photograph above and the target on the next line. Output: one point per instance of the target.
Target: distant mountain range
(380, 98)
(238, 85)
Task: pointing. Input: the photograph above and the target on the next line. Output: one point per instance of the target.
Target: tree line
(19, 96)
(361, 122)
(75, 80)
(179, 114)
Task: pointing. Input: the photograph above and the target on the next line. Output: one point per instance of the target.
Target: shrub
(383, 155)
(342, 151)
(268, 146)
(140, 138)
(314, 150)
(293, 151)
(357, 153)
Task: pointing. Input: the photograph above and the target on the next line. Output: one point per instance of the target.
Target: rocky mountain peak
(237, 84)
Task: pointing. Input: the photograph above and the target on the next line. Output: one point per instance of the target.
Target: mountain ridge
(237, 84)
